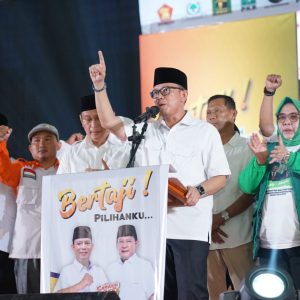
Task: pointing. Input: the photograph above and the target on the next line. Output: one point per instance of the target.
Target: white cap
(43, 127)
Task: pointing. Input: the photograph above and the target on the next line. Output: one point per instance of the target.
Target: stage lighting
(263, 283)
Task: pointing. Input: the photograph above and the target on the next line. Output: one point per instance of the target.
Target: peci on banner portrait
(105, 231)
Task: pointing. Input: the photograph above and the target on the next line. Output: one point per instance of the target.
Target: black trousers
(186, 270)
(27, 274)
(287, 259)
(7, 278)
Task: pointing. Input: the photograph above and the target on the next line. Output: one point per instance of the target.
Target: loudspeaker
(68, 296)
(235, 295)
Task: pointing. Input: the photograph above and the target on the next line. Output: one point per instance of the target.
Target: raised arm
(266, 125)
(106, 114)
(9, 172)
(253, 173)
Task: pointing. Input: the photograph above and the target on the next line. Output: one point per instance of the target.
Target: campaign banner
(105, 231)
(161, 16)
(158, 11)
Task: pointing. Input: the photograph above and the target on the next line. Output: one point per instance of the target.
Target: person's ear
(30, 148)
(137, 244)
(184, 95)
(80, 118)
(234, 114)
(57, 145)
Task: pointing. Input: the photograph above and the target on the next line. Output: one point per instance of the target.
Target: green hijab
(296, 139)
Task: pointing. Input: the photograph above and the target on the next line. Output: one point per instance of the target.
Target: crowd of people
(242, 203)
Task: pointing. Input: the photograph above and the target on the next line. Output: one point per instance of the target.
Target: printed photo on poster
(105, 231)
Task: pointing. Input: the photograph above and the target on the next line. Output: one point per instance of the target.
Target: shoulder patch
(29, 173)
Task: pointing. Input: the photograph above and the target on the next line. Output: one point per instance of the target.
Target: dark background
(46, 47)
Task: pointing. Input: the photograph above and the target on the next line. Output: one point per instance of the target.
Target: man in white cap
(195, 150)
(98, 145)
(26, 178)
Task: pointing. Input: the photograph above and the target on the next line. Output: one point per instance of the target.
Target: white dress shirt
(27, 233)
(73, 274)
(84, 155)
(8, 208)
(239, 228)
(64, 147)
(194, 148)
(136, 277)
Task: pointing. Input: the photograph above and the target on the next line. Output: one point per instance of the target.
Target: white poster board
(104, 201)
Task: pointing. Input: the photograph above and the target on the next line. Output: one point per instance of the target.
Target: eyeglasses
(164, 91)
(89, 120)
(293, 117)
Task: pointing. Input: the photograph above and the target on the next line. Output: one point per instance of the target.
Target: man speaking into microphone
(194, 149)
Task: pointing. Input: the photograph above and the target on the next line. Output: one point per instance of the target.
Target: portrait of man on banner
(133, 273)
(82, 275)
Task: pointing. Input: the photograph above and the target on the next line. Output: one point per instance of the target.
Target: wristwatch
(200, 189)
(225, 215)
(268, 93)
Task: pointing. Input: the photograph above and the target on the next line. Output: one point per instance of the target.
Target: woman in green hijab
(274, 176)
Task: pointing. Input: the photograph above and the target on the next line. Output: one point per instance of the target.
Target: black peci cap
(127, 230)
(82, 232)
(87, 103)
(172, 75)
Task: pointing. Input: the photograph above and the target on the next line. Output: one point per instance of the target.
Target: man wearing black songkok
(81, 275)
(98, 144)
(195, 150)
(135, 274)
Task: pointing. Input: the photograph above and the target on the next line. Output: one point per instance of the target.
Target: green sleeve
(251, 177)
(294, 162)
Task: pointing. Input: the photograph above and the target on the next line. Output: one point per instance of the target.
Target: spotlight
(263, 283)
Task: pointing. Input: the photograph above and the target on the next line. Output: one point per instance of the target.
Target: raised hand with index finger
(98, 73)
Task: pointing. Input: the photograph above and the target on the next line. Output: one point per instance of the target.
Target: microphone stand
(135, 139)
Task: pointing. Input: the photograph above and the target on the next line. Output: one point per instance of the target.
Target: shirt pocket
(27, 195)
(151, 152)
(184, 159)
(182, 153)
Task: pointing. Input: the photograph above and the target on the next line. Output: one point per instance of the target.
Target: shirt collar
(233, 142)
(128, 261)
(81, 267)
(35, 164)
(186, 120)
(88, 141)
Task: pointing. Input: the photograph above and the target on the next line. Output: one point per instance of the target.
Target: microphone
(150, 112)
